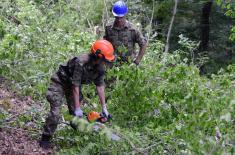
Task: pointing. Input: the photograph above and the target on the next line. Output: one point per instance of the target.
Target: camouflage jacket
(81, 70)
(124, 39)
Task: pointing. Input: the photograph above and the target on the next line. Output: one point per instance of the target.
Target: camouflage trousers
(55, 94)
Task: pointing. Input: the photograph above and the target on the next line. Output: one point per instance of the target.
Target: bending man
(67, 81)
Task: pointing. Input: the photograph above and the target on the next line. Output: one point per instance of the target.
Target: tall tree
(205, 26)
(170, 27)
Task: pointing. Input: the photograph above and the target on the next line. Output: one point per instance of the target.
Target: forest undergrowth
(162, 106)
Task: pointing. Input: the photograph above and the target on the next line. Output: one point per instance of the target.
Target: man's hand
(140, 55)
(104, 110)
(78, 112)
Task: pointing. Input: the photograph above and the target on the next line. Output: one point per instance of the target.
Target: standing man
(67, 81)
(123, 36)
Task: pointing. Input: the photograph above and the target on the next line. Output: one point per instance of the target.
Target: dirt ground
(13, 140)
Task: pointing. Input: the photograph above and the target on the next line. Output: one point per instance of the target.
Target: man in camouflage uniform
(67, 82)
(123, 35)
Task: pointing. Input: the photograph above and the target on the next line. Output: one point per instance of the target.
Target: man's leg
(54, 96)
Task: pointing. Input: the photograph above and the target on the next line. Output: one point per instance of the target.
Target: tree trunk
(205, 26)
(170, 28)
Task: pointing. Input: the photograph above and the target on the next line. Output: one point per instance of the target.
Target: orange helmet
(103, 48)
(93, 116)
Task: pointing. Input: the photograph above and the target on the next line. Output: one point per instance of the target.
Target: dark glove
(104, 118)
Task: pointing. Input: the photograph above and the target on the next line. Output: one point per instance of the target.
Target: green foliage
(27, 49)
(90, 14)
(229, 7)
(2, 29)
(162, 106)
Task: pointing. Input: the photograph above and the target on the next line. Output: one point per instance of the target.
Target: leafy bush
(161, 107)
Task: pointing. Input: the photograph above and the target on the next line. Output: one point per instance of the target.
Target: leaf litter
(16, 139)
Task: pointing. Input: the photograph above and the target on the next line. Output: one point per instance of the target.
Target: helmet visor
(111, 58)
(118, 15)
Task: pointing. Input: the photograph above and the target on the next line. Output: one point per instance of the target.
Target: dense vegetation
(163, 106)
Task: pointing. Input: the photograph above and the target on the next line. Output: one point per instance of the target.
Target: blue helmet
(119, 9)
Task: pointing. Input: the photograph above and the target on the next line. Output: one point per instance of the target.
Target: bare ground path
(15, 140)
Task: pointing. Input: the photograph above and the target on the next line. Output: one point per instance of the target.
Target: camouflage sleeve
(107, 29)
(140, 39)
(105, 33)
(77, 75)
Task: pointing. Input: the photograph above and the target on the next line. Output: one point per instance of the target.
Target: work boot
(45, 142)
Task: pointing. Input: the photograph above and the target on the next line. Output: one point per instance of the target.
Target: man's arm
(76, 81)
(78, 111)
(142, 42)
(140, 55)
(101, 94)
(105, 33)
(76, 96)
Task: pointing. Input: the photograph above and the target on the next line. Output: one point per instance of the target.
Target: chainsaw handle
(104, 118)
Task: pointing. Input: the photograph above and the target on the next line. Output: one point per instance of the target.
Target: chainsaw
(94, 116)
(98, 120)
